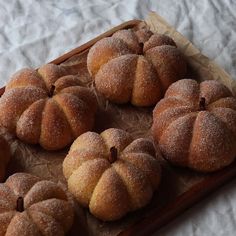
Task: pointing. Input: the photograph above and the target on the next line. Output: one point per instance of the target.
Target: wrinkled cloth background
(35, 32)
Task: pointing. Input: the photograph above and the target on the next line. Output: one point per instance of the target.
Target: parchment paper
(137, 121)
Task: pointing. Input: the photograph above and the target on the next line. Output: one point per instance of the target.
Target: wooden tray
(179, 190)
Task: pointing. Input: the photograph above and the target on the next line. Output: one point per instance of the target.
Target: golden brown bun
(158, 40)
(143, 34)
(195, 125)
(103, 51)
(135, 66)
(30, 206)
(5, 154)
(47, 107)
(111, 185)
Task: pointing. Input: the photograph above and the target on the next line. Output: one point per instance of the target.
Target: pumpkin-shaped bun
(5, 155)
(33, 207)
(110, 173)
(195, 125)
(47, 107)
(135, 67)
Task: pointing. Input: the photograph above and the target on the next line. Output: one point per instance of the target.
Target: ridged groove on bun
(47, 107)
(194, 125)
(158, 40)
(143, 83)
(130, 78)
(109, 187)
(33, 207)
(104, 50)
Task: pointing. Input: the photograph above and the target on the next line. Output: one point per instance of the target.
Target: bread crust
(47, 107)
(195, 125)
(111, 188)
(135, 67)
(31, 206)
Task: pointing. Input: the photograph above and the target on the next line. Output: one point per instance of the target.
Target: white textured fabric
(35, 32)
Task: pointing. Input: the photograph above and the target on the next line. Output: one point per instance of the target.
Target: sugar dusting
(103, 51)
(130, 38)
(210, 143)
(21, 184)
(158, 40)
(26, 88)
(128, 184)
(213, 146)
(115, 77)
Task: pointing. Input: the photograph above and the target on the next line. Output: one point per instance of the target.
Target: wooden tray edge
(183, 202)
(83, 47)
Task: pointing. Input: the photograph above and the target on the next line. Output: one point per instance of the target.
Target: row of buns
(194, 125)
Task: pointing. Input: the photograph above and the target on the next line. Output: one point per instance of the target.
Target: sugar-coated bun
(31, 206)
(5, 154)
(156, 40)
(110, 173)
(47, 107)
(105, 50)
(135, 67)
(170, 63)
(195, 125)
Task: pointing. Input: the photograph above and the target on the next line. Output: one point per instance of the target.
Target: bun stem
(52, 89)
(202, 104)
(113, 155)
(20, 204)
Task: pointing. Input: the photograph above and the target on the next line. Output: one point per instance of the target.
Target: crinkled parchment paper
(137, 121)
